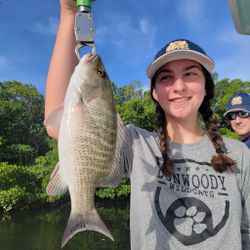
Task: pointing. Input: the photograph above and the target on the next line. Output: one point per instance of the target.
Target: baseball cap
(238, 101)
(177, 50)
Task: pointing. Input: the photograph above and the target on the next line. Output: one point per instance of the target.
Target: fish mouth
(91, 57)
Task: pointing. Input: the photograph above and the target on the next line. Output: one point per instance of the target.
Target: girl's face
(180, 89)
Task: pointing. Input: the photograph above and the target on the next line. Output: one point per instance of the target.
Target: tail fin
(79, 222)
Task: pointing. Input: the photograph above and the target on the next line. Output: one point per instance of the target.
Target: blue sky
(128, 35)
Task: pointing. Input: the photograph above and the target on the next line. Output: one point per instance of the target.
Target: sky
(128, 35)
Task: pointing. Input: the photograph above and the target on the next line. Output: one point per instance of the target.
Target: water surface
(43, 229)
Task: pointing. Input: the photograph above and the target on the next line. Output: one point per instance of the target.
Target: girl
(189, 186)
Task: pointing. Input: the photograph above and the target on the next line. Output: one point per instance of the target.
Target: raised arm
(63, 60)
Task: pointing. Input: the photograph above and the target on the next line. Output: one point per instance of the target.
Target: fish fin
(53, 121)
(79, 222)
(114, 178)
(56, 185)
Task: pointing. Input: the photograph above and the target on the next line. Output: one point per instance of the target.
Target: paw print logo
(189, 219)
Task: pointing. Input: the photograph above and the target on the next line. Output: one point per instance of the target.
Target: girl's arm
(63, 60)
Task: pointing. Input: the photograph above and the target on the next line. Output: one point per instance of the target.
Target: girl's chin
(180, 115)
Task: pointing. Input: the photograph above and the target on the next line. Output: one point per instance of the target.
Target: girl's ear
(154, 94)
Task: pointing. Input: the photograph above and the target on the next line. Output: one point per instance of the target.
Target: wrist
(68, 11)
(67, 15)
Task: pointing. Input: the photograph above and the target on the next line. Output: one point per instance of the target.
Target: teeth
(179, 99)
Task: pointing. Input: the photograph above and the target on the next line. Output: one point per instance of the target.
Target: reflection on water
(43, 230)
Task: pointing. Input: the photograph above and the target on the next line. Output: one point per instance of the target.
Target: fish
(90, 145)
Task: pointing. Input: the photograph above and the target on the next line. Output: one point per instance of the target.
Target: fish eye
(101, 72)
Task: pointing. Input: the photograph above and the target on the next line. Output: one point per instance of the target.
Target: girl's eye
(164, 77)
(190, 74)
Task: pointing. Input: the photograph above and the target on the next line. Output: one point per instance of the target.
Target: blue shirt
(247, 141)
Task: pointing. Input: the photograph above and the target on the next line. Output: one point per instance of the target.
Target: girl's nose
(179, 85)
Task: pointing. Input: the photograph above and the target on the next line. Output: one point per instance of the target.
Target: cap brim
(180, 54)
(236, 109)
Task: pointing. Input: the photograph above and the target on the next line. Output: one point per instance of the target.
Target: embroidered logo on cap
(236, 100)
(177, 45)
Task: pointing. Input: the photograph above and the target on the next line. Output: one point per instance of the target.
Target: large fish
(91, 138)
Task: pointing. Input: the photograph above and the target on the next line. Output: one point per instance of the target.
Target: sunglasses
(232, 115)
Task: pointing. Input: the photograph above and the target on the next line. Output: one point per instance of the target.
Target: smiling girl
(189, 185)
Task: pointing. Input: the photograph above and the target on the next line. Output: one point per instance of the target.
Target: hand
(68, 5)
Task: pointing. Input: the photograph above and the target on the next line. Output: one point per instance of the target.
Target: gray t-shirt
(196, 208)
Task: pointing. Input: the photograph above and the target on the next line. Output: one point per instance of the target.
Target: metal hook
(80, 45)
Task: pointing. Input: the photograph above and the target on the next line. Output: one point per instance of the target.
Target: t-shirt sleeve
(137, 140)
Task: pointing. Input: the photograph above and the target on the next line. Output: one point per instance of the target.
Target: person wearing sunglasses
(238, 114)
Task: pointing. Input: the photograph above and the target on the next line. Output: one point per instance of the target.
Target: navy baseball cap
(177, 50)
(238, 101)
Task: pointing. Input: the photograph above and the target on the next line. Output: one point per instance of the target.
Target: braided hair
(220, 162)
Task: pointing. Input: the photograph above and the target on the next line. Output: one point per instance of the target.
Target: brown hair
(220, 162)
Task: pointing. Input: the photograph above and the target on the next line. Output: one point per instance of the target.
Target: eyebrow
(192, 66)
(185, 69)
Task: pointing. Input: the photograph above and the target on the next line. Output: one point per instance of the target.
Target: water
(43, 230)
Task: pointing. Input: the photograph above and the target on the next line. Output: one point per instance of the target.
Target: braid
(220, 162)
(167, 164)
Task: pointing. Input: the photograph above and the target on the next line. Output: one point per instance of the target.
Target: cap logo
(177, 45)
(236, 100)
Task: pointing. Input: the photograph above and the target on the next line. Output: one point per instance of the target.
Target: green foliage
(13, 175)
(125, 93)
(229, 133)
(22, 134)
(18, 187)
(13, 198)
(135, 106)
(24, 187)
(123, 190)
